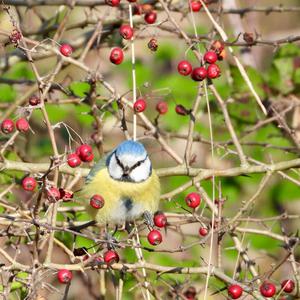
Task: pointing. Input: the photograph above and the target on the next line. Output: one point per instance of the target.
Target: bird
(126, 181)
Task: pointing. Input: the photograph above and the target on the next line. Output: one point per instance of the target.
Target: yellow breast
(123, 200)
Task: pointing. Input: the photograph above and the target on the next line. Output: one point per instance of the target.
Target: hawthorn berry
(34, 100)
(66, 50)
(288, 285)
(196, 6)
(153, 44)
(146, 8)
(7, 126)
(111, 257)
(112, 2)
(15, 37)
(213, 71)
(160, 219)
(217, 46)
(29, 183)
(139, 105)
(154, 237)
(116, 56)
(126, 31)
(53, 194)
(181, 110)
(199, 74)
(137, 9)
(162, 107)
(65, 195)
(267, 289)
(22, 125)
(235, 291)
(150, 17)
(190, 293)
(85, 152)
(97, 201)
(222, 55)
(73, 160)
(203, 231)
(184, 68)
(210, 57)
(64, 276)
(193, 200)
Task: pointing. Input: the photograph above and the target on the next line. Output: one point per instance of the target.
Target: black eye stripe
(119, 162)
(137, 164)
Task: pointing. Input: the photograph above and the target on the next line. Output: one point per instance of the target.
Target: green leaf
(7, 93)
(79, 88)
(289, 50)
(239, 84)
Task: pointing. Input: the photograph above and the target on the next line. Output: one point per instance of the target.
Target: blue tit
(126, 181)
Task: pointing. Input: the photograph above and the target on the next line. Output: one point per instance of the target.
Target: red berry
(267, 289)
(66, 50)
(73, 160)
(190, 293)
(111, 257)
(193, 200)
(288, 285)
(196, 6)
(235, 291)
(137, 9)
(153, 44)
(64, 276)
(97, 201)
(210, 57)
(65, 195)
(34, 100)
(113, 2)
(184, 68)
(181, 110)
(116, 56)
(203, 231)
(150, 17)
(15, 36)
(131, 1)
(7, 126)
(213, 71)
(154, 237)
(29, 183)
(53, 194)
(162, 107)
(22, 125)
(160, 219)
(139, 105)
(199, 74)
(126, 32)
(85, 152)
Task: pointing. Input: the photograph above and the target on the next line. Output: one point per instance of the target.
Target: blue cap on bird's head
(127, 147)
(129, 162)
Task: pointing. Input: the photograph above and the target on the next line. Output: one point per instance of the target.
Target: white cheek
(114, 169)
(141, 172)
(130, 159)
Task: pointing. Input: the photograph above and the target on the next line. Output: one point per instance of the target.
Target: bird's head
(129, 162)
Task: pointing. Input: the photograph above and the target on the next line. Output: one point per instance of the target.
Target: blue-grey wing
(101, 164)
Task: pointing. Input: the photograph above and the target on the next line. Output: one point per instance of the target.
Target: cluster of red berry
(83, 153)
(267, 289)
(53, 194)
(8, 125)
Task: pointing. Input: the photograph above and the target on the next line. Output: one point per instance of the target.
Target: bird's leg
(148, 217)
(85, 225)
(115, 231)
